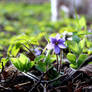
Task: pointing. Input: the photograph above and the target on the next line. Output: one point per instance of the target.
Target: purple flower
(37, 52)
(56, 43)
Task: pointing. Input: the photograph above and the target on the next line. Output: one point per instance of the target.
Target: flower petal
(61, 45)
(60, 41)
(70, 38)
(37, 52)
(50, 46)
(57, 36)
(56, 49)
(53, 40)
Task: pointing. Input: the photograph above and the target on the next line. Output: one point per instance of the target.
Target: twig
(44, 88)
(55, 88)
(47, 82)
(44, 82)
(62, 76)
(33, 76)
(76, 77)
(22, 84)
(5, 89)
(40, 81)
(29, 76)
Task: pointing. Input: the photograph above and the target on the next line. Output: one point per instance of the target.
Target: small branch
(44, 88)
(56, 88)
(5, 89)
(40, 81)
(33, 76)
(22, 84)
(29, 76)
(62, 76)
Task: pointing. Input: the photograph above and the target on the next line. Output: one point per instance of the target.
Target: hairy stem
(57, 62)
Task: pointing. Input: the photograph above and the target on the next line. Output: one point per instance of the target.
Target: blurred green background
(32, 20)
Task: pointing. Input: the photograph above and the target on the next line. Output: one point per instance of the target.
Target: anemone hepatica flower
(37, 52)
(56, 43)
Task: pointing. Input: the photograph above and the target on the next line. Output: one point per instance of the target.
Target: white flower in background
(67, 35)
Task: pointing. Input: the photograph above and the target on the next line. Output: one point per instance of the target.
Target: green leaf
(16, 63)
(82, 22)
(14, 49)
(76, 38)
(72, 58)
(73, 66)
(74, 47)
(3, 61)
(9, 28)
(89, 43)
(49, 59)
(41, 66)
(90, 62)
(52, 58)
(90, 51)
(22, 63)
(24, 39)
(44, 62)
(81, 59)
(39, 58)
(82, 44)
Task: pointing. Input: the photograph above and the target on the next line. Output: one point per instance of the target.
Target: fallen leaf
(87, 69)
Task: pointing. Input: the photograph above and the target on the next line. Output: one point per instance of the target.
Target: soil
(12, 80)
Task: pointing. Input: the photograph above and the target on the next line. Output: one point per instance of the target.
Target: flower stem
(61, 56)
(57, 61)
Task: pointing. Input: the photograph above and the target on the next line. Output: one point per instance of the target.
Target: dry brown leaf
(87, 69)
